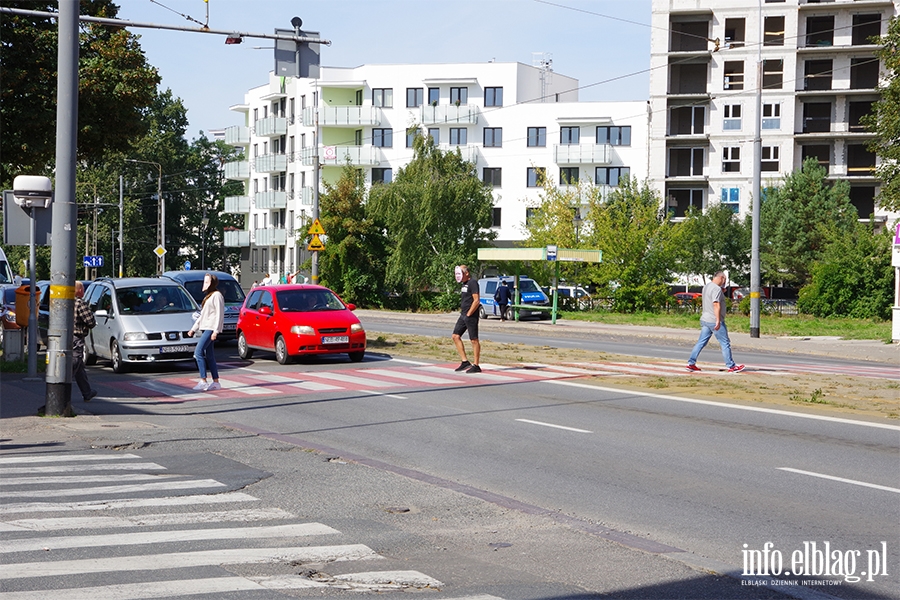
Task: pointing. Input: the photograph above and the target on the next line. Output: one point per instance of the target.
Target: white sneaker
(215, 385)
(201, 386)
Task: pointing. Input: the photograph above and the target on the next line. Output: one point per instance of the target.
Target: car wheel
(356, 356)
(281, 352)
(115, 353)
(481, 312)
(244, 351)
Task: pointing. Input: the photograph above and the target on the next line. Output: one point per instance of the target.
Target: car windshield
(231, 291)
(6, 275)
(308, 300)
(528, 285)
(150, 299)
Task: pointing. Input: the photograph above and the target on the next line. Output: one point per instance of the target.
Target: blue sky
(210, 76)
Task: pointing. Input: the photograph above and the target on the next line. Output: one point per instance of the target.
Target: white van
(6, 275)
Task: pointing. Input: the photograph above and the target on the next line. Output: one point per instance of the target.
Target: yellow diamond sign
(159, 251)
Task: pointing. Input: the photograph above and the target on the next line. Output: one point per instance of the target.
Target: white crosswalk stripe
(243, 388)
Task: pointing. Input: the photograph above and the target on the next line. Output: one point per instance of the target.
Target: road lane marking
(420, 377)
(554, 426)
(36, 458)
(483, 377)
(841, 479)
(411, 362)
(172, 390)
(374, 393)
(85, 478)
(355, 380)
(70, 468)
(772, 411)
(122, 489)
(215, 516)
(315, 386)
(269, 378)
(126, 503)
(243, 388)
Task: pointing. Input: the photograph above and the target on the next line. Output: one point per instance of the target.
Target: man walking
(84, 322)
(712, 321)
(502, 297)
(468, 320)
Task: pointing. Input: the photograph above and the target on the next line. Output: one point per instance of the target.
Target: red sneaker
(736, 369)
(693, 368)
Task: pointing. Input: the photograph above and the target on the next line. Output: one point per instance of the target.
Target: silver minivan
(140, 320)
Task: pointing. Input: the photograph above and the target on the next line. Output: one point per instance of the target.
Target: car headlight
(303, 330)
(135, 336)
(356, 328)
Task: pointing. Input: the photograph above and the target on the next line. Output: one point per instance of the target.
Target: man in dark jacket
(84, 322)
(502, 297)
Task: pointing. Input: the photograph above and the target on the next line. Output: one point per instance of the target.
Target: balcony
(270, 200)
(237, 239)
(270, 237)
(237, 204)
(343, 116)
(469, 153)
(306, 196)
(271, 126)
(582, 154)
(449, 113)
(336, 156)
(239, 169)
(237, 135)
(271, 163)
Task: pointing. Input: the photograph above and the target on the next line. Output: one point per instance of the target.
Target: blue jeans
(706, 331)
(205, 354)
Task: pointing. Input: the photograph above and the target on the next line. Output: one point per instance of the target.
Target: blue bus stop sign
(187, 265)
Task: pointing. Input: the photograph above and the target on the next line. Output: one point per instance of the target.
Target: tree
(885, 119)
(799, 219)
(353, 261)
(717, 239)
(436, 214)
(634, 234)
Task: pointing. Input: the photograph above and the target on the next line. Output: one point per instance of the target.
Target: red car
(686, 297)
(298, 320)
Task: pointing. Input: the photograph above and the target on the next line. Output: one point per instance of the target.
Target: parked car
(231, 290)
(297, 320)
(9, 307)
(574, 296)
(42, 290)
(140, 320)
(531, 293)
(682, 298)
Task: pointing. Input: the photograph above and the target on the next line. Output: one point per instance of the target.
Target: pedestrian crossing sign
(315, 244)
(316, 228)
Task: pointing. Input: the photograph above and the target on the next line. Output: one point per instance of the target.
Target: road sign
(316, 228)
(551, 252)
(315, 244)
(187, 265)
(93, 261)
(159, 251)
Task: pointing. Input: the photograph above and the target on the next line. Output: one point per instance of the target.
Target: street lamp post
(161, 212)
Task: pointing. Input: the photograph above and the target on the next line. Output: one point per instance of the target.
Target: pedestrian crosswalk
(148, 543)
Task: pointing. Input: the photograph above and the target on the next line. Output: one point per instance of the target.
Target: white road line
(410, 362)
(841, 479)
(161, 537)
(420, 377)
(269, 378)
(175, 391)
(252, 370)
(120, 489)
(533, 373)
(773, 411)
(145, 591)
(39, 458)
(86, 478)
(374, 393)
(180, 560)
(355, 380)
(243, 388)
(71, 468)
(213, 516)
(315, 386)
(554, 426)
(482, 377)
(31, 507)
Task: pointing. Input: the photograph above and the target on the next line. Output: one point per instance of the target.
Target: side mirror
(101, 313)
(351, 307)
(265, 310)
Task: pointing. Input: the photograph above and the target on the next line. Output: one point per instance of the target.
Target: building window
(495, 216)
(493, 137)
(820, 31)
(459, 95)
(771, 116)
(866, 27)
(773, 34)
(821, 152)
(731, 159)
(569, 135)
(568, 175)
(537, 137)
(382, 138)
(863, 73)
(856, 111)
(816, 117)
(493, 96)
(414, 97)
(610, 175)
(458, 136)
(435, 134)
(357, 137)
(732, 197)
(411, 136)
(255, 261)
(529, 215)
(734, 75)
(615, 136)
(434, 96)
(536, 176)
(773, 74)
(732, 117)
(491, 176)
(681, 200)
(383, 97)
(860, 161)
(303, 140)
(686, 162)
(685, 120)
(770, 156)
(380, 175)
(291, 180)
(863, 198)
(817, 75)
(734, 33)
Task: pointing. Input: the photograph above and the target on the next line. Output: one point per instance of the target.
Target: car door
(248, 319)
(265, 321)
(101, 334)
(90, 298)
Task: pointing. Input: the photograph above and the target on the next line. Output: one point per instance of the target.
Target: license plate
(174, 349)
(335, 339)
(229, 327)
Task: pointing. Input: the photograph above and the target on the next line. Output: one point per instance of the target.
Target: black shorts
(467, 323)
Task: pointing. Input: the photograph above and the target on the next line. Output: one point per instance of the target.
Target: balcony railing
(582, 154)
(270, 237)
(450, 113)
(237, 204)
(343, 116)
(237, 135)
(469, 153)
(239, 169)
(271, 126)
(359, 156)
(270, 200)
(237, 239)
(271, 163)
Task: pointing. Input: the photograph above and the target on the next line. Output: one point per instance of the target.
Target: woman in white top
(209, 324)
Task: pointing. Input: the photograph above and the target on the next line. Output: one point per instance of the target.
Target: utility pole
(121, 225)
(65, 218)
(757, 186)
(160, 214)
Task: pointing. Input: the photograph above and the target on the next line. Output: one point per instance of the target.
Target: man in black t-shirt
(468, 320)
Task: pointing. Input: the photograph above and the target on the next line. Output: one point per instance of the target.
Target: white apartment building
(818, 72)
(513, 121)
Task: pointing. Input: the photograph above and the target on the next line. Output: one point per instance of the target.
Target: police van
(531, 294)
